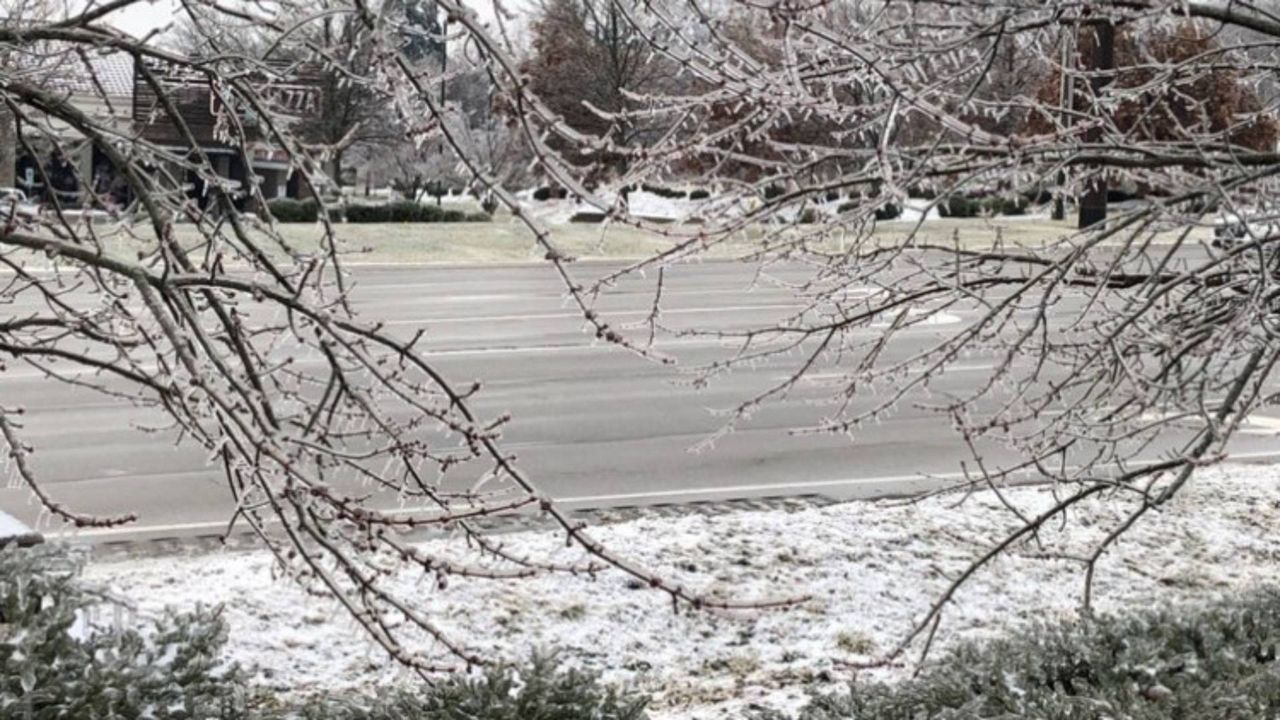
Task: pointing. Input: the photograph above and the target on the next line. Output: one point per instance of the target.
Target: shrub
(545, 193)
(663, 192)
(888, 211)
(699, 195)
(366, 213)
(1213, 663)
(540, 690)
(406, 211)
(808, 216)
(55, 662)
(958, 206)
(1001, 205)
(288, 210)
(773, 191)
(1038, 196)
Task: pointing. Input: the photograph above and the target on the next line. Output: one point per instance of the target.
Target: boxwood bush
(545, 193)
(958, 206)
(1216, 662)
(888, 211)
(1002, 205)
(406, 211)
(288, 210)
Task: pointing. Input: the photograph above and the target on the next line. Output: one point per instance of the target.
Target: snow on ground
(10, 527)
(914, 209)
(870, 568)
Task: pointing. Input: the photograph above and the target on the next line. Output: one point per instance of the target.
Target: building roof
(112, 71)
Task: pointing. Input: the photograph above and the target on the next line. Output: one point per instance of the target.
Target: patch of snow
(915, 208)
(870, 570)
(10, 527)
(916, 316)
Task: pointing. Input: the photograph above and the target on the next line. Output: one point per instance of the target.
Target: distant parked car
(13, 202)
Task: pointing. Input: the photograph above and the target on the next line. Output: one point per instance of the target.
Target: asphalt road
(593, 426)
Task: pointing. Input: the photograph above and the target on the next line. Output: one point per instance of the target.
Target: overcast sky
(143, 17)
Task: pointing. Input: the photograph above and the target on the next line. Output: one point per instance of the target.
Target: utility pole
(1102, 60)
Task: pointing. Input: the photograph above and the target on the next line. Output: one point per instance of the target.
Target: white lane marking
(603, 314)
(559, 293)
(939, 318)
(836, 375)
(1254, 424)
(742, 491)
(28, 373)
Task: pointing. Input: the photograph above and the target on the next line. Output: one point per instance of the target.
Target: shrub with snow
(540, 690)
(1212, 663)
(66, 650)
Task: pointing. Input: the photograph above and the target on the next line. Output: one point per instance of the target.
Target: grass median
(506, 241)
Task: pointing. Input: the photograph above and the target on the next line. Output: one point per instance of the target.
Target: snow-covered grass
(506, 241)
(870, 569)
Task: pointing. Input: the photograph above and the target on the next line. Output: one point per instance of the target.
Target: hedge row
(665, 192)
(959, 206)
(1215, 663)
(406, 211)
(287, 210)
(1218, 662)
(306, 211)
(545, 193)
(57, 662)
(537, 690)
(887, 211)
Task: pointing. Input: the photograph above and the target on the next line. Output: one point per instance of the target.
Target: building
(99, 85)
(54, 161)
(204, 116)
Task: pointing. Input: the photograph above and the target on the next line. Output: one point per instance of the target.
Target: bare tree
(588, 63)
(325, 425)
(1123, 356)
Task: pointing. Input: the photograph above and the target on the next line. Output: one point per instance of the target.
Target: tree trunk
(8, 148)
(1093, 205)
